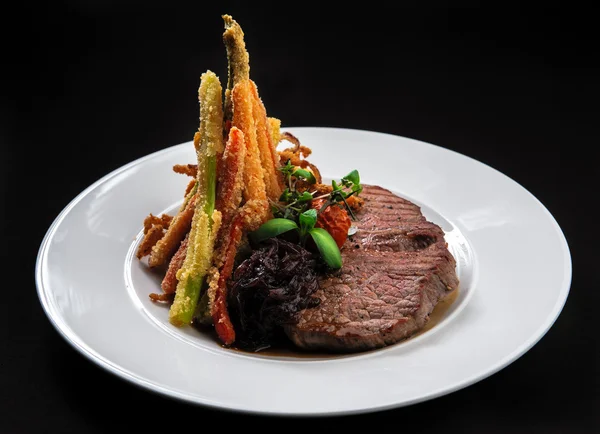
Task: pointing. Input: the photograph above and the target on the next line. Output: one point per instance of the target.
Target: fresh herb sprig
(348, 186)
(292, 203)
(292, 212)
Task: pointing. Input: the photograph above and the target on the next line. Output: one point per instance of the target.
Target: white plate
(513, 263)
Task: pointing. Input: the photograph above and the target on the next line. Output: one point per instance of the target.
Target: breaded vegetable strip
(206, 221)
(243, 119)
(154, 228)
(229, 197)
(231, 179)
(238, 60)
(151, 237)
(169, 282)
(217, 289)
(166, 247)
(275, 131)
(164, 220)
(186, 169)
(268, 156)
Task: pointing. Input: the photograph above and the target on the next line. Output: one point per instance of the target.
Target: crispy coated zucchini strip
(268, 156)
(243, 119)
(238, 60)
(206, 220)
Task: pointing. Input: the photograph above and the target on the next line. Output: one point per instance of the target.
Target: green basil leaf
(305, 197)
(327, 247)
(305, 174)
(353, 177)
(307, 220)
(272, 228)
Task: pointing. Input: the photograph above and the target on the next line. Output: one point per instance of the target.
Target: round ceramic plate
(513, 263)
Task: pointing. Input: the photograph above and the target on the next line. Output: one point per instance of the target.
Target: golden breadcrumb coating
(169, 282)
(206, 220)
(179, 227)
(243, 119)
(197, 260)
(210, 133)
(189, 187)
(152, 236)
(238, 60)
(186, 169)
(231, 177)
(164, 220)
(275, 131)
(268, 156)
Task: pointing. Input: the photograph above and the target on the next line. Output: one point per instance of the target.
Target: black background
(89, 86)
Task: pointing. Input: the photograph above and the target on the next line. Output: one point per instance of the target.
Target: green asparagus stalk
(206, 221)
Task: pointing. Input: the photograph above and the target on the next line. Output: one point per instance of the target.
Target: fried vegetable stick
(243, 119)
(231, 179)
(186, 169)
(217, 289)
(166, 247)
(206, 220)
(169, 282)
(268, 156)
(275, 131)
(229, 197)
(151, 237)
(238, 60)
(164, 220)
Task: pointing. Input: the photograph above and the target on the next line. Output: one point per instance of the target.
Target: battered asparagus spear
(206, 220)
(238, 60)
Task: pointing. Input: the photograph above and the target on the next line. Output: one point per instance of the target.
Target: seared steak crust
(396, 269)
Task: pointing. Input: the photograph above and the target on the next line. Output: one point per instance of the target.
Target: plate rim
(132, 378)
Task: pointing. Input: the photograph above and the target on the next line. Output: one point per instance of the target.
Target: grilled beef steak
(396, 269)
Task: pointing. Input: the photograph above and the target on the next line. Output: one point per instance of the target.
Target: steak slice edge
(397, 267)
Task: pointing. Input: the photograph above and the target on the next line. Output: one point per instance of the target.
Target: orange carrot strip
(268, 156)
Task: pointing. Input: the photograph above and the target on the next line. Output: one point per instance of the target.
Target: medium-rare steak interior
(397, 267)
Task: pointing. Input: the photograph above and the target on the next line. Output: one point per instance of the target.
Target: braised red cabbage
(268, 290)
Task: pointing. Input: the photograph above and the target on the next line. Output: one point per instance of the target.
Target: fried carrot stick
(206, 220)
(231, 178)
(268, 156)
(229, 197)
(243, 119)
(217, 287)
(238, 60)
(169, 282)
(244, 221)
(164, 249)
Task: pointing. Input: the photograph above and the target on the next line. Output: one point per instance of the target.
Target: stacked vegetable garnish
(257, 226)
